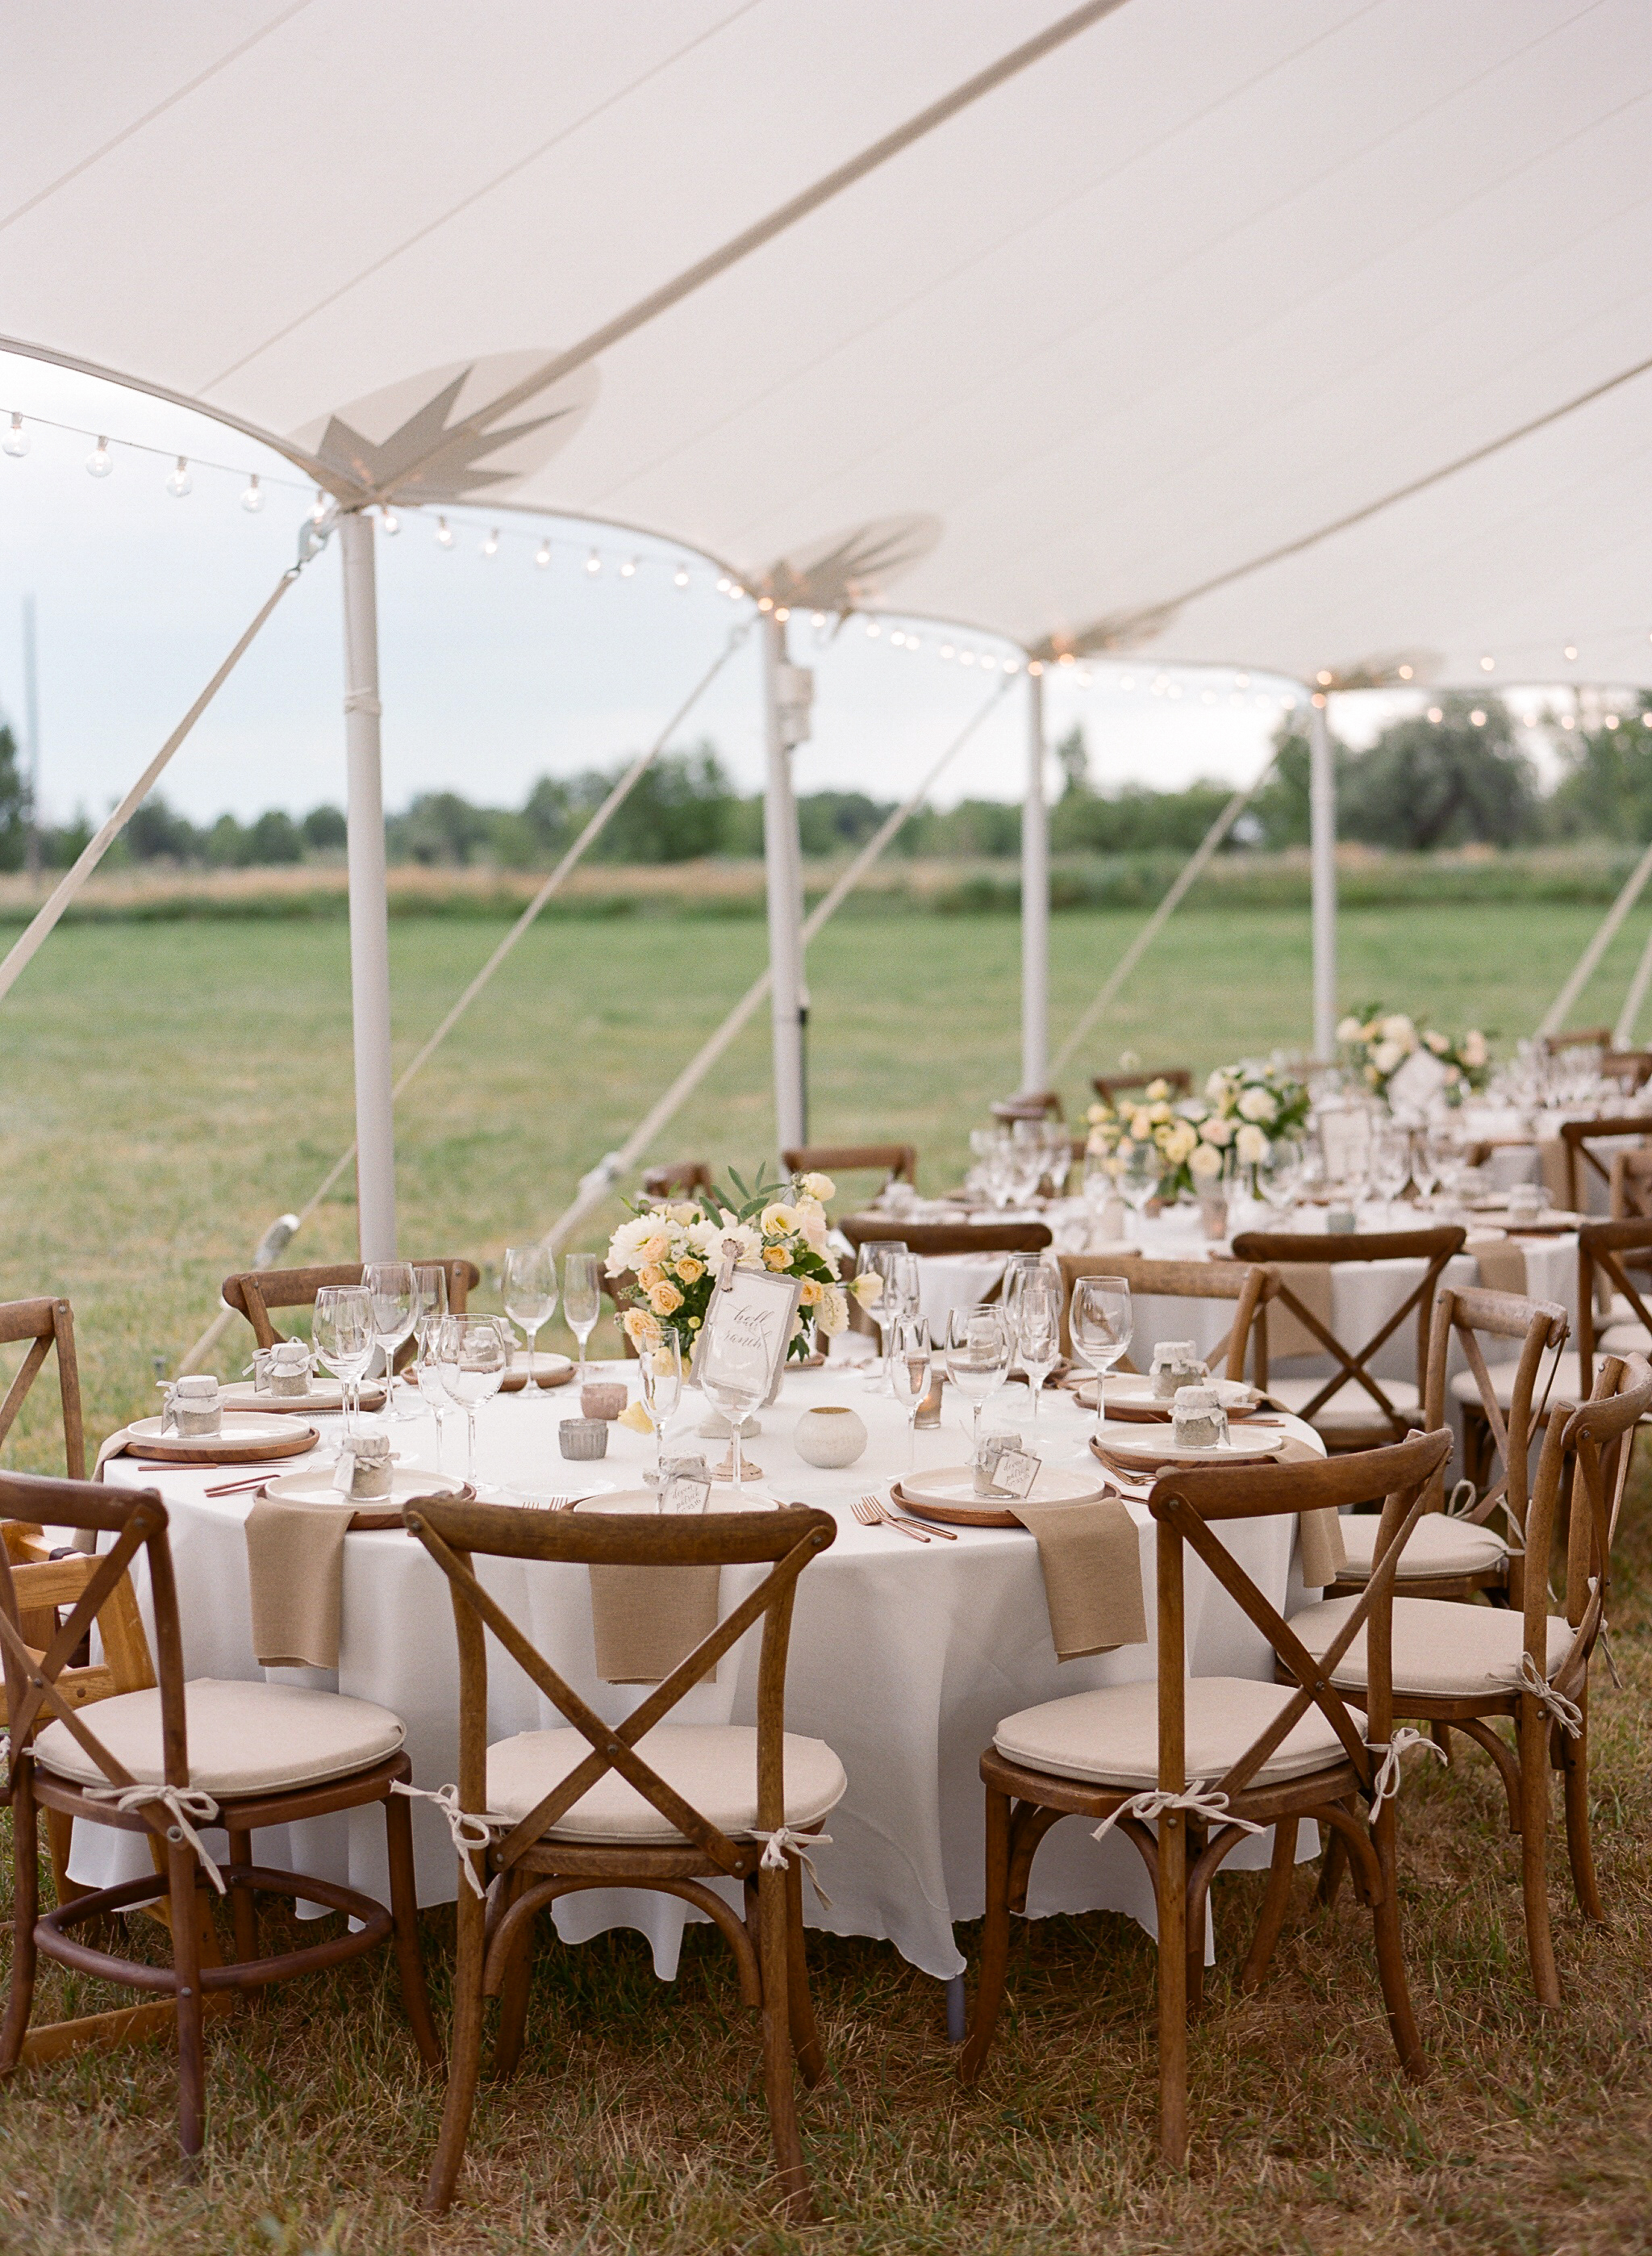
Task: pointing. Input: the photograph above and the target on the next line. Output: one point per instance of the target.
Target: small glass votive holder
(583, 1437)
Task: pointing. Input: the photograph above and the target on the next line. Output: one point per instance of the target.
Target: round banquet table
(904, 1657)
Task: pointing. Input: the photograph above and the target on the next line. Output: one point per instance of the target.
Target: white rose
(1259, 1104)
(868, 1288)
(1350, 1030)
(811, 1224)
(1181, 1143)
(779, 1220)
(1396, 1028)
(1386, 1056)
(1251, 1145)
(1141, 1124)
(1438, 1043)
(1474, 1048)
(833, 1314)
(1216, 1087)
(1218, 1131)
(820, 1187)
(1205, 1161)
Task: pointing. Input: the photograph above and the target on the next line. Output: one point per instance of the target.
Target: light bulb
(1611, 719)
(782, 615)
(179, 481)
(912, 643)
(873, 631)
(1324, 677)
(594, 563)
(490, 545)
(1405, 673)
(16, 441)
(679, 577)
(897, 640)
(252, 500)
(627, 570)
(735, 591)
(318, 507)
(1241, 681)
(1034, 666)
(98, 463)
(1571, 649)
(1068, 658)
(1012, 666)
(542, 555)
(1477, 718)
(817, 620)
(444, 533)
(1436, 714)
(988, 665)
(1568, 720)
(1646, 720)
(1487, 664)
(948, 649)
(1288, 703)
(724, 584)
(392, 523)
(967, 657)
(765, 603)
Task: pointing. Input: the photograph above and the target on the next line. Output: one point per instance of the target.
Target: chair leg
(1534, 1827)
(1574, 1773)
(410, 1958)
(806, 2035)
(776, 2047)
(1281, 1871)
(60, 1833)
(1331, 1871)
(25, 1909)
(513, 1988)
(244, 1905)
(1172, 1984)
(1390, 1954)
(181, 1873)
(464, 2060)
(994, 1942)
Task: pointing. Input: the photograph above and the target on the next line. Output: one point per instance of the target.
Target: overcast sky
(495, 669)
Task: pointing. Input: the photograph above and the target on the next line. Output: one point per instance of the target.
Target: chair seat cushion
(714, 1766)
(1437, 1545)
(1441, 1650)
(1350, 1410)
(1567, 1384)
(243, 1738)
(1111, 1737)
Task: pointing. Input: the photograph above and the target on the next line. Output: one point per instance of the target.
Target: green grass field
(166, 1089)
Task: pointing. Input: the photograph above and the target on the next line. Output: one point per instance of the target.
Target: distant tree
(156, 833)
(1278, 816)
(439, 826)
(1073, 755)
(1424, 784)
(325, 830)
(14, 804)
(679, 811)
(989, 828)
(274, 838)
(1606, 792)
(225, 844)
(828, 821)
(1136, 819)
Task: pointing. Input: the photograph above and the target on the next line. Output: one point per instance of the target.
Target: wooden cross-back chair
(253, 1292)
(1032, 1104)
(1581, 1037)
(930, 1239)
(1631, 1069)
(46, 1323)
(1581, 1161)
(1503, 1404)
(1109, 1087)
(643, 1803)
(681, 1179)
(1256, 1755)
(1467, 1669)
(1353, 1409)
(1614, 1313)
(85, 1750)
(896, 1163)
(1249, 1286)
(1631, 1186)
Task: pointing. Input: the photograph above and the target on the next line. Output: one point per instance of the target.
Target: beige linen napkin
(295, 1570)
(1551, 1166)
(1286, 1333)
(645, 1619)
(1091, 1555)
(1502, 1264)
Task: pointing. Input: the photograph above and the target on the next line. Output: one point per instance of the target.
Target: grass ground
(164, 1089)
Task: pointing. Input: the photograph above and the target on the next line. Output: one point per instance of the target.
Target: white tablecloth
(904, 1657)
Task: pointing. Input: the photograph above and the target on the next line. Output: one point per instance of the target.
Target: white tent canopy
(1126, 331)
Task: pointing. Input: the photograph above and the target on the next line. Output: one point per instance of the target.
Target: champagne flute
(582, 1296)
(530, 1293)
(1038, 1321)
(910, 1360)
(395, 1296)
(343, 1336)
(977, 1359)
(661, 1371)
(1103, 1324)
(472, 1356)
(430, 1281)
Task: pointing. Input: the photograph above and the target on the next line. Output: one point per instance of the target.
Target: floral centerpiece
(1202, 1140)
(1377, 1042)
(674, 1249)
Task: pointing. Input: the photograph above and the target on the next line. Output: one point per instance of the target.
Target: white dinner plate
(325, 1394)
(548, 1371)
(316, 1487)
(955, 1485)
(1155, 1446)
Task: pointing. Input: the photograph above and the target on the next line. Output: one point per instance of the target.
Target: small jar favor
(193, 1405)
(1176, 1364)
(1527, 1202)
(583, 1437)
(993, 1446)
(1197, 1421)
(368, 1456)
(287, 1368)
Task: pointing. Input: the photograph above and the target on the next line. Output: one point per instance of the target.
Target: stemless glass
(530, 1293)
(734, 1378)
(394, 1297)
(1037, 1322)
(910, 1359)
(660, 1369)
(582, 1296)
(473, 1356)
(1102, 1323)
(343, 1337)
(977, 1359)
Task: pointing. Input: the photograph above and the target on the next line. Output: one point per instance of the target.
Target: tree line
(1419, 786)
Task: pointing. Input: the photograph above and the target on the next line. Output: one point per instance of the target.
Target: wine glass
(343, 1337)
(660, 1369)
(977, 1359)
(432, 1385)
(909, 1375)
(582, 1296)
(1140, 1165)
(877, 1257)
(734, 1378)
(1058, 1156)
(1427, 1164)
(1390, 1166)
(1102, 1323)
(1279, 1177)
(530, 1292)
(473, 1356)
(1037, 1315)
(1026, 1164)
(394, 1297)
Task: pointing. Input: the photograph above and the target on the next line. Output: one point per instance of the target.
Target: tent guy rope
(1554, 1017)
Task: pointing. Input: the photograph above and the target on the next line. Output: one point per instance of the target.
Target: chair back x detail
(1248, 1285)
(1578, 1141)
(253, 1292)
(46, 1323)
(1462, 1315)
(1606, 1253)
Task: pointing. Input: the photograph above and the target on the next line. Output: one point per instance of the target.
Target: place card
(750, 1316)
(1017, 1473)
(685, 1492)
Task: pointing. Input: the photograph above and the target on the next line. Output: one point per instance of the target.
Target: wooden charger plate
(1143, 1409)
(1122, 1456)
(980, 1512)
(272, 1436)
(548, 1371)
(373, 1519)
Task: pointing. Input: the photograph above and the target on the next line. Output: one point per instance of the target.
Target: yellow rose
(683, 1212)
(778, 1220)
(665, 1298)
(1141, 1124)
(655, 1248)
(811, 1292)
(1155, 1090)
(691, 1271)
(820, 1187)
(641, 1330)
(775, 1257)
(650, 1274)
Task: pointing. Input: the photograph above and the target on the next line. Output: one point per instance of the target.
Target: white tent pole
(1163, 912)
(1034, 903)
(1322, 820)
(595, 1186)
(370, 909)
(28, 944)
(780, 855)
(1623, 1033)
(1556, 1015)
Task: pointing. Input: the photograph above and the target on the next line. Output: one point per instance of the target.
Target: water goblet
(472, 1355)
(977, 1359)
(734, 1378)
(1141, 1165)
(1279, 1177)
(530, 1281)
(343, 1337)
(1036, 1316)
(1102, 1323)
(877, 1257)
(395, 1296)
(582, 1296)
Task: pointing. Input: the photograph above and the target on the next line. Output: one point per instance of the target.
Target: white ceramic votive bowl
(830, 1436)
